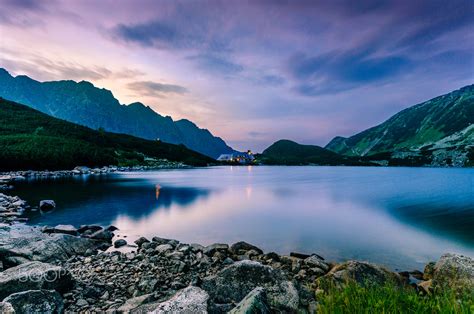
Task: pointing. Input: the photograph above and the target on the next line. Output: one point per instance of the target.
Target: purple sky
(250, 71)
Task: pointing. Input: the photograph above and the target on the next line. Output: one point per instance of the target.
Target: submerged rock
(36, 301)
(34, 276)
(234, 282)
(119, 243)
(47, 205)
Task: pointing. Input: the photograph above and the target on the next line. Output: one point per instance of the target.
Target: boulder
(216, 247)
(314, 261)
(140, 241)
(454, 271)
(241, 247)
(6, 308)
(133, 303)
(428, 271)
(189, 300)
(163, 248)
(363, 273)
(299, 255)
(234, 282)
(66, 229)
(21, 243)
(47, 205)
(119, 243)
(91, 228)
(254, 302)
(34, 276)
(102, 235)
(36, 301)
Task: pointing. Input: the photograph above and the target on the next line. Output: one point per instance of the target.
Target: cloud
(155, 89)
(216, 64)
(153, 33)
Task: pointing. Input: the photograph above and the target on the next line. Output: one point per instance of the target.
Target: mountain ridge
(85, 104)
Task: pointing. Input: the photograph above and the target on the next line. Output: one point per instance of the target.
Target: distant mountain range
(438, 132)
(286, 152)
(85, 104)
(30, 139)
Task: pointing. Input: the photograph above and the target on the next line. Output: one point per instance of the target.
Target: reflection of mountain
(101, 200)
(455, 220)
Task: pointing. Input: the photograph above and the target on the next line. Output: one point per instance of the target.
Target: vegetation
(389, 298)
(285, 152)
(32, 140)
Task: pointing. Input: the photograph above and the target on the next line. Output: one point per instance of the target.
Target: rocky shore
(62, 268)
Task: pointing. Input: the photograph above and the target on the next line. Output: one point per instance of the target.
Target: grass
(354, 298)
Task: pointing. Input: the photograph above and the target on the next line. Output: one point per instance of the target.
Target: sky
(251, 72)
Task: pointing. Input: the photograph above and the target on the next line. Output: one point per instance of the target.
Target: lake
(399, 217)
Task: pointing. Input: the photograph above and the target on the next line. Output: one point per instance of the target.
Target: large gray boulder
(454, 271)
(34, 276)
(254, 302)
(189, 300)
(36, 301)
(21, 243)
(363, 273)
(234, 282)
(6, 308)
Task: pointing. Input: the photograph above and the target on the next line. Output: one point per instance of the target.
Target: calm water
(400, 217)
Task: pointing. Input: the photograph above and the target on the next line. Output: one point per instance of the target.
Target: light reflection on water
(401, 217)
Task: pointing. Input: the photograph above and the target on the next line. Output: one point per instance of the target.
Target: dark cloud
(155, 89)
(154, 33)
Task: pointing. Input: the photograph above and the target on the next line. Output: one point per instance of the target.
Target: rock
(216, 247)
(66, 229)
(241, 247)
(234, 282)
(160, 240)
(91, 228)
(34, 276)
(103, 235)
(188, 300)
(6, 308)
(426, 287)
(254, 302)
(428, 271)
(47, 205)
(314, 261)
(163, 248)
(24, 243)
(36, 301)
(119, 243)
(299, 255)
(133, 303)
(111, 228)
(139, 242)
(82, 303)
(454, 271)
(362, 273)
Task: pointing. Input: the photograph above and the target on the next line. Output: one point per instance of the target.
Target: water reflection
(401, 217)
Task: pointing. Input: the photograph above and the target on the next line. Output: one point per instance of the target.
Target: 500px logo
(35, 276)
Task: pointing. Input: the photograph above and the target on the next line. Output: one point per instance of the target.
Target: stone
(314, 261)
(160, 240)
(82, 303)
(47, 205)
(254, 302)
(66, 229)
(36, 301)
(34, 276)
(426, 287)
(133, 303)
(139, 242)
(91, 228)
(216, 247)
(119, 243)
(234, 282)
(363, 273)
(103, 235)
(188, 300)
(163, 248)
(22, 243)
(299, 255)
(6, 308)
(241, 247)
(454, 271)
(428, 271)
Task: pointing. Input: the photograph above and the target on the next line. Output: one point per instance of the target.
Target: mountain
(438, 132)
(286, 152)
(85, 104)
(30, 139)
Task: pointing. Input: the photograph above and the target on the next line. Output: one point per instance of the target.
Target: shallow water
(400, 217)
